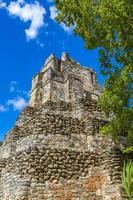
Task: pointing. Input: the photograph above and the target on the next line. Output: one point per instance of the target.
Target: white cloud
(40, 44)
(53, 12)
(2, 4)
(53, 15)
(18, 103)
(26, 93)
(66, 28)
(32, 12)
(12, 86)
(2, 108)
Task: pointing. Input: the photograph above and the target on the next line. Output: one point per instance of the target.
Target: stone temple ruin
(55, 150)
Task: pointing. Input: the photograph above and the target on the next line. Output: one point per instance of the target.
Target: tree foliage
(108, 26)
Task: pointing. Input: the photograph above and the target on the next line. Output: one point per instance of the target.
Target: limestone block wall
(51, 62)
(46, 92)
(57, 91)
(58, 156)
(45, 173)
(35, 93)
(58, 72)
(76, 91)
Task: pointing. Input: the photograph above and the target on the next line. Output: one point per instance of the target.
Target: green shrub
(127, 179)
(1, 143)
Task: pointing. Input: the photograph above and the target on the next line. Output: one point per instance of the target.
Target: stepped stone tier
(55, 150)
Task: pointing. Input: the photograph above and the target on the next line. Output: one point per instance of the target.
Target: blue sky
(28, 35)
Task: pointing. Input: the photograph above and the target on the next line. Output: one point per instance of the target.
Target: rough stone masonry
(55, 150)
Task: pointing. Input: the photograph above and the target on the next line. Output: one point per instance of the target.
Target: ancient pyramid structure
(55, 150)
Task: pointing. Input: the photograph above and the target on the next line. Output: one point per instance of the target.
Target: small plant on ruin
(1, 143)
(127, 179)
